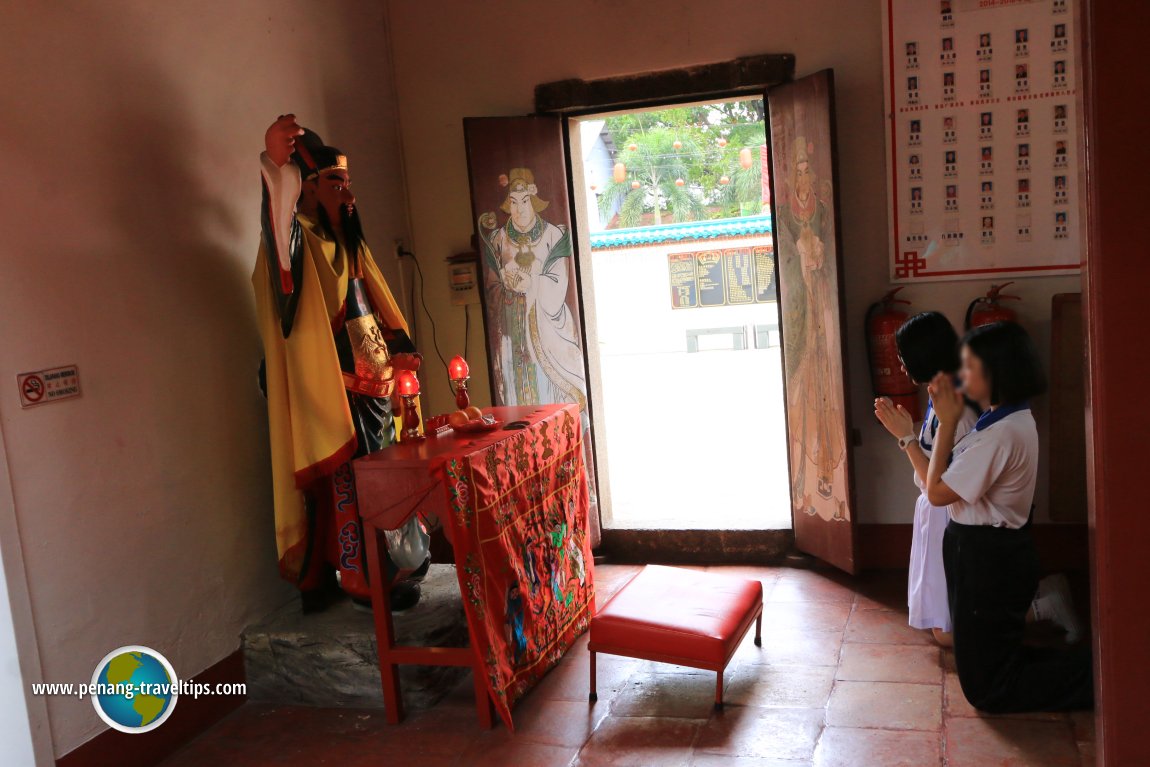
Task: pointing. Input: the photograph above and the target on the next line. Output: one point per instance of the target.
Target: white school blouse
(929, 431)
(994, 472)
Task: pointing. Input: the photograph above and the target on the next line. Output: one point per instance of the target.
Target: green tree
(656, 180)
(697, 145)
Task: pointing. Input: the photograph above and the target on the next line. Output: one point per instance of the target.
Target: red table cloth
(517, 503)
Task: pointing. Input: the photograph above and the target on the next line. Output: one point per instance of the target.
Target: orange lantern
(633, 147)
(724, 180)
(678, 145)
(679, 182)
(722, 142)
(620, 173)
(635, 185)
(745, 157)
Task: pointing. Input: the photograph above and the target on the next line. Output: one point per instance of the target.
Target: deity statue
(334, 339)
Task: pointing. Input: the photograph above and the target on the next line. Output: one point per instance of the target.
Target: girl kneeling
(989, 556)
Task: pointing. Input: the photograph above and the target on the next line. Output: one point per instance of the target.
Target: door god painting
(529, 271)
(809, 262)
(531, 302)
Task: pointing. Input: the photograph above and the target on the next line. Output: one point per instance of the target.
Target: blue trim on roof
(689, 230)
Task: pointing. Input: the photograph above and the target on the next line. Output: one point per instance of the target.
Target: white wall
(476, 60)
(131, 132)
(25, 737)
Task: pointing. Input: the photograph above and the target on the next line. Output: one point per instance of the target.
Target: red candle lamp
(459, 372)
(408, 387)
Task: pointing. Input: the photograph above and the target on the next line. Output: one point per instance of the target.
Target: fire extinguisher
(887, 376)
(987, 309)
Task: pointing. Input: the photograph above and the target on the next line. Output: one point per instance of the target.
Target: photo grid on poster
(983, 138)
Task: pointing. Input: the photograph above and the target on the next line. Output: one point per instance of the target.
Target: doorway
(534, 269)
(680, 297)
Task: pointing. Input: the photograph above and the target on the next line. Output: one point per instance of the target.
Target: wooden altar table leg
(759, 630)
(384, 626)
(594, 696)
(719, 690)
(483, 705)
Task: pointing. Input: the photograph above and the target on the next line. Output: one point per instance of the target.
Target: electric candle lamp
(408, 387)
(459, 372)
(458, 368)
(408, 384)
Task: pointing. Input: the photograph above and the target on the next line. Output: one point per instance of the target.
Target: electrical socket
(399, 249)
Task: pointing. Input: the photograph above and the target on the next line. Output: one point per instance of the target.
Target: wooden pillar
(1116, 284)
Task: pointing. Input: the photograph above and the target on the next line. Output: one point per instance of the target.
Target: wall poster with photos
(983, 105)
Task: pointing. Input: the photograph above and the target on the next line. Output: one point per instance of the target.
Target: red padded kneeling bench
(672, 615)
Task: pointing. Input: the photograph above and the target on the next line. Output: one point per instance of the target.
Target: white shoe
(1053, 603)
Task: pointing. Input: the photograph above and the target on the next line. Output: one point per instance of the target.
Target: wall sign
(722, 277)
(982, 144)
(52, 385)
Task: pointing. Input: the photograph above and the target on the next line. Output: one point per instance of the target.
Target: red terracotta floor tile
(1083, 723)
(770, 733)
(1010, 743)
(886, 705)
(849, 747)
(557, 722)
(685, 696)
(955, 704)
(571, 679)
(806, 586)
(795, 648)
(890, 663)
(496, 751)
(258, 734)
(805, 616)
(780, 686)
(881, 591)
(719, 760)
(765, 575)
(883, 627)
(838, 668)
(748, 651)
(640, 742)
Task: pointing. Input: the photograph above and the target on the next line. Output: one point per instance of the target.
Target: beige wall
(485, 59)
(131, 132)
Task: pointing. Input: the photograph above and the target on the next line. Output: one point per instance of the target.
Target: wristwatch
(905, 442)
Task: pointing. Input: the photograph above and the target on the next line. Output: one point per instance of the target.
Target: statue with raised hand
(334, 339)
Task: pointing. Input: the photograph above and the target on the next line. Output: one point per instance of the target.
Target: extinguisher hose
(970, 311)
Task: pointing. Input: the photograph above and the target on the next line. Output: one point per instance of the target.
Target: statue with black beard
(334, 339)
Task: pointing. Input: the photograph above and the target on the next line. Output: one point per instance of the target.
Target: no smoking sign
(51, 385)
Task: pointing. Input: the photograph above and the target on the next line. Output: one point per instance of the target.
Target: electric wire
(423, 301)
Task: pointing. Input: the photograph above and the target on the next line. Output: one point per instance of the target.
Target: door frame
(747, 77)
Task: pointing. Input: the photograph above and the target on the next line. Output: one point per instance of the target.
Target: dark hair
(353, 238)
(1009, 360)
(928, 346)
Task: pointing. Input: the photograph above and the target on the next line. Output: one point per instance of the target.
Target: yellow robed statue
(333, 339)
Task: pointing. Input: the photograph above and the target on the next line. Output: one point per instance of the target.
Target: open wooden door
(522, 215)
(804, 209)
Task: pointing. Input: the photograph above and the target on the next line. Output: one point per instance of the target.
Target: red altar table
(513, 504)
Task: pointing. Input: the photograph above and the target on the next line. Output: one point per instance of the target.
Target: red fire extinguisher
(887, 376)
(987, 309)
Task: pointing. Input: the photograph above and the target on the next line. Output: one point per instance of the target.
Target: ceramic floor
(840, 680)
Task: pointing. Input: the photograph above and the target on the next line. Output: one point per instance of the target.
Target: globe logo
(134, 689)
